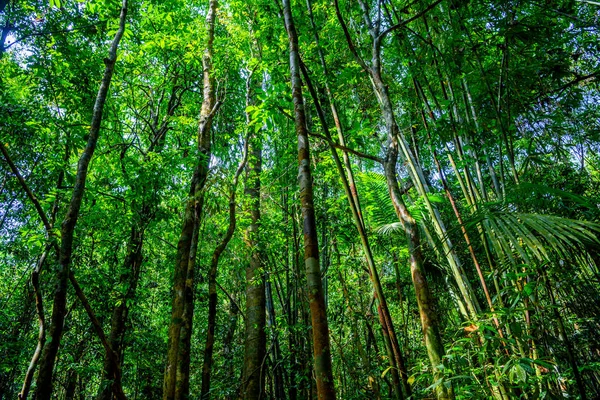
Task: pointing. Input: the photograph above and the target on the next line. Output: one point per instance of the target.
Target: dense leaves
(493, 111)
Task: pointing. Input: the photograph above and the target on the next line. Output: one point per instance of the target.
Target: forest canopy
(317, 199)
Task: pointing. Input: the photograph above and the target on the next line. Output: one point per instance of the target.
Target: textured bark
(253, 383)
(321, 345)
(144, 214)
(396, 359)
(55, 330)
(212, 284)
(402, 147)
(176, 381)
(425, 302)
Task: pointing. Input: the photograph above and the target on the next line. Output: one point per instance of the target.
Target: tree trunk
(55, 330)
(425, 302)
(176, 382)
(212, 283)
(279, 391)
(321, 345)
(253, 384)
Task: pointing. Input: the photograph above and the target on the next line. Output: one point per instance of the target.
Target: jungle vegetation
(299, 199)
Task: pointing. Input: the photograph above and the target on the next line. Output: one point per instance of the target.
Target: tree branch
(407, 21)
(114, 358)
(332, 143)
(25, 187)
(357, 57)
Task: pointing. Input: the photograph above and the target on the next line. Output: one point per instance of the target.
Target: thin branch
(336, 145)
(114, 358)
(25, 187)
(48, 33)
(407, 21)
(231, 299)
(590, 77)
(357, 57)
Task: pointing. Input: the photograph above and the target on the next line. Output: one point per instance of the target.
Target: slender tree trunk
(55, 330)
(321, 345)
(228, 351)
(396, 358)
(39, 307)
(425, 301)
(176, 381)
(109, 352)
(253, 384)
(143, 215)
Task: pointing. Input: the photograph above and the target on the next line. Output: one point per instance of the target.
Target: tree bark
(253, 383)
(176, 381)
(321, 345)
(55, 330)
(425, 301)
(278, 372)
(130, 277)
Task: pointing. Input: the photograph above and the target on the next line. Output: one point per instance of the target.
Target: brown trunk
(253, 384)
(425, 302)
(97, 326)
(176, 381)
(396, 359)
(55, 330)
(320, 327)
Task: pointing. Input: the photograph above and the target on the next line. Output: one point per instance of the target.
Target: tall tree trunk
(321, 345)
(253, 384)
(396, 359)
(425, 301)
(143, 214)
(176, 381)
(228, 350)
(55, 330)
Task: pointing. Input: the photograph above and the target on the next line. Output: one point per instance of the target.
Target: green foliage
(498, 101)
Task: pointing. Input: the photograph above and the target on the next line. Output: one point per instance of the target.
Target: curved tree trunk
(212, 284)
(425, 302)
(130, 277)
(55, 330)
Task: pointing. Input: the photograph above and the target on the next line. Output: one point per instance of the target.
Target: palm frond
(525, 237)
